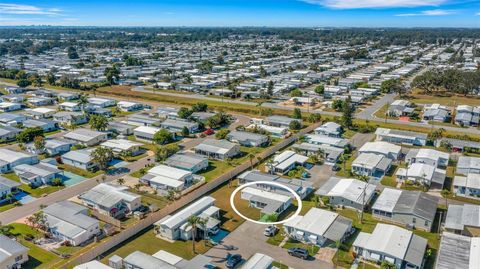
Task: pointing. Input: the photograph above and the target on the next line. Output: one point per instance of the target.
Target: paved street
(256, 242)
(368, 112)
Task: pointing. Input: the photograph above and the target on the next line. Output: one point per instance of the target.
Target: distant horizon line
(239, 27)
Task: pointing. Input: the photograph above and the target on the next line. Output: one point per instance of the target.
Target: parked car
(209, 131)
(271, 230)
(298, 252)
(233, 260)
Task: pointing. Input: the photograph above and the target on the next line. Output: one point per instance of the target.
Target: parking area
(239, 242)
(320, 174)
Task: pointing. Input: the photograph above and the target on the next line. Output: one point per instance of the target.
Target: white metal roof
(121, 144)
(258, 261)
(380, 147)
(316, 221)
(387, 200)
(266, 194)
(352, 189)
(169, 172)
(147, 129)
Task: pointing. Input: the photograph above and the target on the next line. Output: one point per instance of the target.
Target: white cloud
(17, 9)
(353, 4)
(434, 12)
(477, 14)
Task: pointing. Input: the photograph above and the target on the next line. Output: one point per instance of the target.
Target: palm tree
(445, 193)
(83, 100)
(259, 160)
(171, 195)
(194, 222)
(121, 181)
(344, 158)
(251, 157)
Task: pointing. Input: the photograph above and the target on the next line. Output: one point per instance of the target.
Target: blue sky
(293, 13)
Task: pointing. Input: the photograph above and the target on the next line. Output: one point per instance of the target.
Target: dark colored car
(233, 260)
(298, 252)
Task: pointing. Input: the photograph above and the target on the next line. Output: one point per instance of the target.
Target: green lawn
(215, 169)
(138, 174)
(278, 238)
(389, 178)
(382, 113)
(68, 250)
(230, 220)
(346, 168)
(147, 242)
(151, 199)
(312, 250)
(446, 99)
(37, 257)
(6, 207)
(279, 265)
(79, 171)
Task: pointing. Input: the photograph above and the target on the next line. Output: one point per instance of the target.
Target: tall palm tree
(251, 157)
(83, 100)
(194, 222)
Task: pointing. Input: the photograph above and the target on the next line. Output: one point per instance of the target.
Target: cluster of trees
(112, 74)
(185, 113)
(163, 152)
(355, 54)
(98, 122)
(348, 112)
(450, 80)
(163, 136)
(393, 85)
(28, 134)
(47, 38)
(205, 66)
(102, 156)
(72, 53)
(218, 120)
(131, 61)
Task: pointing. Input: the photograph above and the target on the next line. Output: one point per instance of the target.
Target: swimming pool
(219, 236)
(70, 179)
(24, 198)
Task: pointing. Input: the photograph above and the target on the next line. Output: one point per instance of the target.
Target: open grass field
(444, 99)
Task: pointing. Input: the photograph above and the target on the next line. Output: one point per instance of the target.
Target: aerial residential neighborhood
(200, 135)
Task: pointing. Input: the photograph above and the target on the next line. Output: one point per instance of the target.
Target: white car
(271, 230)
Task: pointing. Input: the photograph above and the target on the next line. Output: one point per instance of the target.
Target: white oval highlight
(239, 188)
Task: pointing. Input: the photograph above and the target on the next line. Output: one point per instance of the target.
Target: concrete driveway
(248, 239)
(320, 174)
(359, 139)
